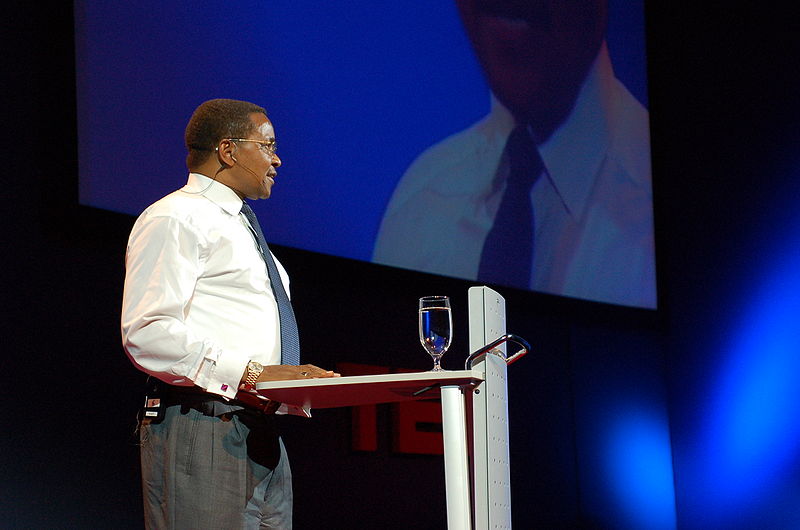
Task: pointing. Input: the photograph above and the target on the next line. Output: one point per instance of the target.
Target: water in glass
(435, 327)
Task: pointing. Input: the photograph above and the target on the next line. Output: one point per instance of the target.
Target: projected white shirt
(198, 304)
(593, 234)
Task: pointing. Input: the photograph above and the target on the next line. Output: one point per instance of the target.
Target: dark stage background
(622, 419)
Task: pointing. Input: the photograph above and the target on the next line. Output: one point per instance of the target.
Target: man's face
(535, 53)
(255, 166)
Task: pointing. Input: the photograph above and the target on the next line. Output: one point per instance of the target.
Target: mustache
(537, 13)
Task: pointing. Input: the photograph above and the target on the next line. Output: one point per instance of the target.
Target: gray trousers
(201, 470)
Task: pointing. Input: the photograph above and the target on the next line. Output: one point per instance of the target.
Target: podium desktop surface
(358, 390)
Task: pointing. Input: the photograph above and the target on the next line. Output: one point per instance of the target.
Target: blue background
(356, 90)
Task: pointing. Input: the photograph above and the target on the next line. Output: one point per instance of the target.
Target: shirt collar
(215, 191)
(575, 151)
(573, 154)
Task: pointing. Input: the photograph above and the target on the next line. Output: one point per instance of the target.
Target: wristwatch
(254, 369)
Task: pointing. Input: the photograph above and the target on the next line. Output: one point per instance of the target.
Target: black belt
(213, 404)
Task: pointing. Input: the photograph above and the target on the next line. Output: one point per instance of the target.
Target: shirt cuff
(225, 377)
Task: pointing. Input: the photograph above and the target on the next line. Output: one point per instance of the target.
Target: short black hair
(213, 121)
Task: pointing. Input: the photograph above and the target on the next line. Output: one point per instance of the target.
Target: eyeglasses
(268, 146)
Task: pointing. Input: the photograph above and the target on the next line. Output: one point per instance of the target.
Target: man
(551, 191)
(206, 314)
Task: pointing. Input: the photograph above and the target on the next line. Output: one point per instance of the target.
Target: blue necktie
(290, 339)
(508, 250)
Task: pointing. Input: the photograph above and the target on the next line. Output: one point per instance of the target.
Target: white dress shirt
(197, 304)
(593, 233)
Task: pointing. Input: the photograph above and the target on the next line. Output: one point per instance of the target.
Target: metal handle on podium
(491, 348)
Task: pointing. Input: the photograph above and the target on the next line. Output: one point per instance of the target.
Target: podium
(453, 387)
(474, 413)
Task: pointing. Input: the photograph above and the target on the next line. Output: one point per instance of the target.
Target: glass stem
(437, 359)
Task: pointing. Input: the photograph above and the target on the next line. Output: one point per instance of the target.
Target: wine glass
(435, 327)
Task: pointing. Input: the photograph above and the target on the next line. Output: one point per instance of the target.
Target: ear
(226, 152)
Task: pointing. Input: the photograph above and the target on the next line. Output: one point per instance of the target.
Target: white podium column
(456, 470)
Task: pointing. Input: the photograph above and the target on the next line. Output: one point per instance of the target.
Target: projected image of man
(551, 190)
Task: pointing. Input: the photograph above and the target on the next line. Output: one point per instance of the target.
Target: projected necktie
(290, 340)
(508, 250)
